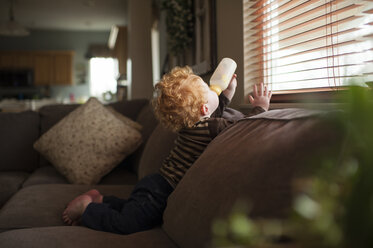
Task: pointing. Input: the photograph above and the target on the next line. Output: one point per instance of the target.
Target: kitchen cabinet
(63, 68)
(7, 61)
(24, 60)
(43, 69)
(50, 67)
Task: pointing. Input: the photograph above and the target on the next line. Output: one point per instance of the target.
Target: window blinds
(307, 45)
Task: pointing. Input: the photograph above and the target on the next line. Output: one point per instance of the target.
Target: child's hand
(231, 89)
(261, 97)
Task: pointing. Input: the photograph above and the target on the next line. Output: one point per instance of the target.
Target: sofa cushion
(121, 175)
(73, 236)
(18, 131)
(49, 175)
(10, 183)
(124, 119)
(131, 108)
(42, 205)
(255, 159)
(51, 114)
(45, 175)
(156, 150)
(147, 120)
(88, 143)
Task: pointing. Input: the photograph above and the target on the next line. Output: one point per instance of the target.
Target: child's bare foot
(95, 195)
(72, 214)
(75, 209)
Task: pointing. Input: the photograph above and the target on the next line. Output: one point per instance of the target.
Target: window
(103, 75)
(156, 60)
(307, 45)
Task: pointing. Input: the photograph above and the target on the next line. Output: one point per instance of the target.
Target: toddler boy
(186, 105)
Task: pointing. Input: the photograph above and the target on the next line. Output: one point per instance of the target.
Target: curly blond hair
(179, 99)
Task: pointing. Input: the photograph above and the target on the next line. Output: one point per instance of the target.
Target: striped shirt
(189, 145)
(191, 142)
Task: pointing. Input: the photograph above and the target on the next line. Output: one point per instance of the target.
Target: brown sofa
(254, 159)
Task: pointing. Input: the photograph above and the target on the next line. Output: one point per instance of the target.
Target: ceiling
(88, 15)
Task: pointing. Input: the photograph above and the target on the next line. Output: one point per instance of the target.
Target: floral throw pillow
(88, 143)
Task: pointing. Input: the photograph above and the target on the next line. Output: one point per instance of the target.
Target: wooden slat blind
(307, 44)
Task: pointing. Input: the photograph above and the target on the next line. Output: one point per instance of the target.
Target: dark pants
(143, 210)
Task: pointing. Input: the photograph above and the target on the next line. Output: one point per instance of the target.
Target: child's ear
(204, 109)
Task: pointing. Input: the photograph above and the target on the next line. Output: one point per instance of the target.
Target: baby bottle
(222, 75)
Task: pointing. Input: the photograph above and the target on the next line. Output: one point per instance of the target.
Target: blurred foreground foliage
(335, 207)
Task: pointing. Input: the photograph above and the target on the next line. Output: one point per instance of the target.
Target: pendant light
(12, 27)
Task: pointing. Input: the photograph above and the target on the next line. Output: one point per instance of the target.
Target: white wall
(229, 44)
(230, 40)
(139, 49)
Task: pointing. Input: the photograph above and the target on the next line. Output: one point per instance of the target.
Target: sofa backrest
(148, 122)
(157, 148)
(51, 114)
(18, 131)
(255, 159)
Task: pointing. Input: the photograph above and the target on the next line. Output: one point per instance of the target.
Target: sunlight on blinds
(307, 44)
